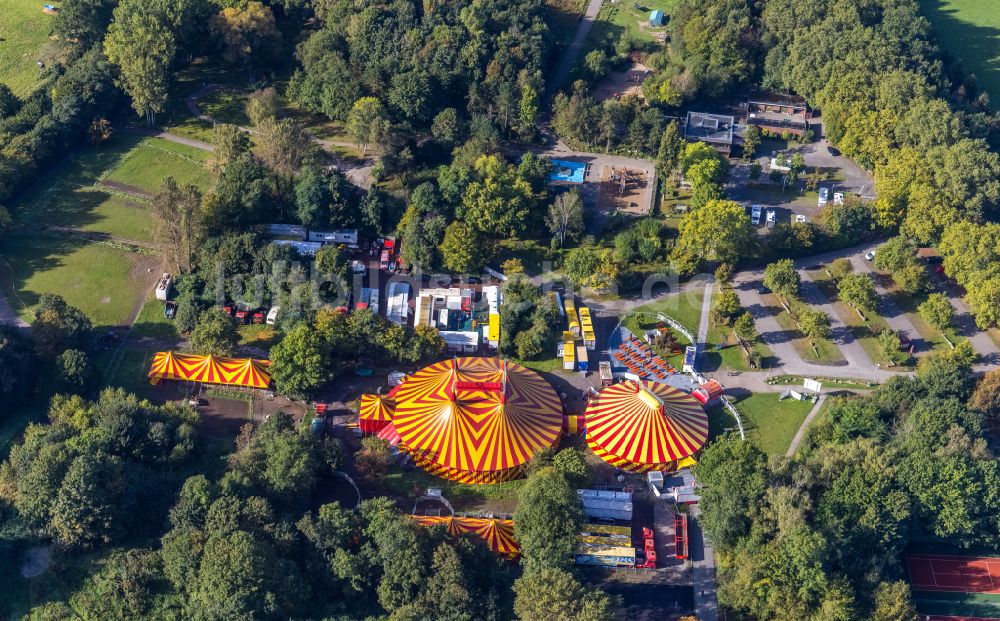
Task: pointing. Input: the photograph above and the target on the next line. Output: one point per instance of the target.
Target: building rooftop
(711, 128)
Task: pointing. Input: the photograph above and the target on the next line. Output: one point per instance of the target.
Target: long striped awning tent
(643, 426)
(476, 419)
(498, 534)
(246, 372)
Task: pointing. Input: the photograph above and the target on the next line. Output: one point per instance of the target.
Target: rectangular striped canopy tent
(244, 372)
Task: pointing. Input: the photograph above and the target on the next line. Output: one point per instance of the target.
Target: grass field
(152, 160)
(101, 190)
(970, 31)
(683, 307)
(78, 197)
(106, 283)
(771, 424)
(24, 30)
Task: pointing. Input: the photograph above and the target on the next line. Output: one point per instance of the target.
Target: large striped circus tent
(497, 533)
(243, 372)
(476, 420)
(645, 426)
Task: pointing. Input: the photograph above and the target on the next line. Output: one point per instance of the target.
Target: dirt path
(569, 57)
(805, 424)
(124, 188)
(101, 237)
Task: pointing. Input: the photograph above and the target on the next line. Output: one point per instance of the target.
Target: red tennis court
(960, 574)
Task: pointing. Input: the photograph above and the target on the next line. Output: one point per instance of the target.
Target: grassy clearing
(683, 307)
(77, 199)
(545, 365)
(772, 423)
(412, 483)
(719, 421)
(616, 18)
(970, 31)
(820, 351)
(259, 335)
(153, 160)
(101, 281)
(152, 323)
(25, 30)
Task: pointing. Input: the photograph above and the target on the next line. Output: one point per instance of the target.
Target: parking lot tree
(718, 231)
(841, 267)
(912, 278)
(538, 594)
(896, 253)
(983, 297)
(547, 521)
(782, 278)
(565, 217)
(858, 290)
(937, 311)
(727, 307)
(215, 334)
(891, 344)
(59, 326)
(745, 327)
(751, 140)
(815, 324)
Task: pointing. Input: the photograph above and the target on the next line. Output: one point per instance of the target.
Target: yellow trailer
(587, 328)
(571, 317)
(569, 351)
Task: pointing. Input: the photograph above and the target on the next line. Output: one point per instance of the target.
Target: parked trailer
(569, 351)
(163, 287)
(607, 378)
(581, 358)
(608, 509)
(681, 535)
(572, 320)
(622, 557)
(587, 328)
(348, 237)
(607, 529)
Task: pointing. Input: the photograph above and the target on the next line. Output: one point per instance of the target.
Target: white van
(755, 214)
(824, 196)
(272, 315)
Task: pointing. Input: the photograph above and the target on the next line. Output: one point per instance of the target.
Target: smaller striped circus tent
(244, 372)
(646, 426)
(498, 534)
(375, 412)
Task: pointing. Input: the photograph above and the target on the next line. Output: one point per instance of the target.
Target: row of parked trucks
(579, 336)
